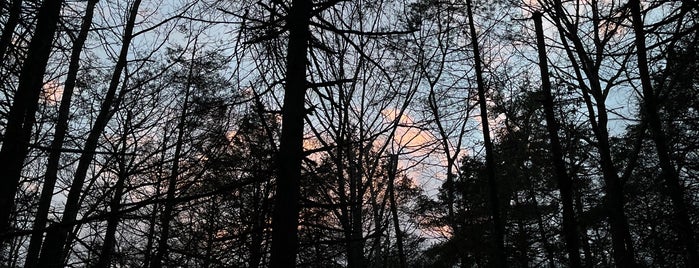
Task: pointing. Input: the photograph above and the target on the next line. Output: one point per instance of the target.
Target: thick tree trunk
(565, 184)
(53, 251)
(499, 258)
(7, 32)
(285, 217)
(53, 161)
(652, 117)
(21, 117)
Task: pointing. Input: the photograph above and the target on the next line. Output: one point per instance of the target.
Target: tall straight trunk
(393, 166)
(499, 258)
(150, 240)
(105, 257)
(257, 228)
(621, 240)
(169, 205)
(355, 252)
(285, 217)
(21, 117)
(375, 251)
(12, 20)
(587, 251)
(565, 184)
(52, 250)
(622, 244)
(652, 117)
(521, 240)
(548, 248)
(53, 161)
(213, 213)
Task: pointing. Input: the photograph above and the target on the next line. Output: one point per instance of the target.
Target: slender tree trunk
(257, 230)
(548, 248)
(150, 240)
(521, 239)
(589, 259)
(345, 208)
(105, 257)
(9, 29)
(51, 252)
(213, 213)
(651, 115)
(621, 243)
(285, 217)
(393, 162)
(21, 117)
(375, 254)
(53, 161)
(565, 184)
(356, 236)
(499, 257)
(165, 218)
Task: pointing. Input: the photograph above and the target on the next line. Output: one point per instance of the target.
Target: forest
(340, 133)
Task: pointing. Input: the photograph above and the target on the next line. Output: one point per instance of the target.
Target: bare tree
(500, 258)
(59, 136)
(565, 184)
(651, 116)
(21, 118)
(52, 251)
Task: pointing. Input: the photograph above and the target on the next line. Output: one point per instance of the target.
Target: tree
(286, 203)
(21, 117)
(565, 184)
(51, 252)
(59, 137)
(498, 224)
(595, 90)
(652, 117)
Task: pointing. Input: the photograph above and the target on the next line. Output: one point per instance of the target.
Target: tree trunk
(565, 184)
(589, 259)
(619, 229)
(548, 248)
(53, 161)
(652, 117)
(499, 258)
(522, 252)
(9, 29)
(285, 216)
(105, 257)
(257, 229)
(355, 254)
(165, 218)
(393, 166)
(21, 117)
(50, 254)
